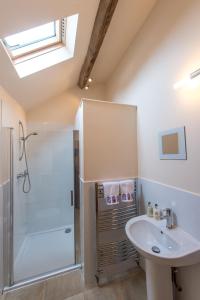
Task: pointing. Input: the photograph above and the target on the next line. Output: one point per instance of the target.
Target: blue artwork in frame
(172, 144)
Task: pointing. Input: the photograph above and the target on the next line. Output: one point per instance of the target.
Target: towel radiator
(114, 252)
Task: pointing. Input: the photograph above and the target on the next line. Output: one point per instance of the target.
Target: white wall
(165, 51)
(11, 114)
(109, 138)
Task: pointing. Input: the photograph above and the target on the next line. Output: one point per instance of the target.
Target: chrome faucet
(168, 215)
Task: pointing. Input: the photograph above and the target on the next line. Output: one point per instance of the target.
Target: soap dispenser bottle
(156, 212)
(149, 210)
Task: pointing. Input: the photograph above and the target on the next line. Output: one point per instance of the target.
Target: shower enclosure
(39, 209)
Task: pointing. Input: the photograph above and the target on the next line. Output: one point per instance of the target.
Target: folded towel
(127, 190)
(111, 192)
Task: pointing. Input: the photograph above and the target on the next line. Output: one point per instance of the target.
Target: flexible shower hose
(26, 176)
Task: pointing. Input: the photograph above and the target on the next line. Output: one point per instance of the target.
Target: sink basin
(175, 247)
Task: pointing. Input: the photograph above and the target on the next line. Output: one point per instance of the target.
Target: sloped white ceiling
(16, 16)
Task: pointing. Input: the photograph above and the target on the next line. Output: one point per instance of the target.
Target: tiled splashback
(185, 205)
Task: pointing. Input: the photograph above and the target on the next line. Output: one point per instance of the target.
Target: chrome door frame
(76, 196)
(8, 229)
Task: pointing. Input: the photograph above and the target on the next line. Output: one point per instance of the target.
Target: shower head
(30, 134)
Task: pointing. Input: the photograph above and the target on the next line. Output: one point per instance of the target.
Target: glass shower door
(47, 235)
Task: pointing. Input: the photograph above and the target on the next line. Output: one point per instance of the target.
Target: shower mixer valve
(22, 175)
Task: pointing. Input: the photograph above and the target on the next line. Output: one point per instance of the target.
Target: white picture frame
(182, 152)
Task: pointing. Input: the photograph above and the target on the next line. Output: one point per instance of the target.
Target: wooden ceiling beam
(103, 18)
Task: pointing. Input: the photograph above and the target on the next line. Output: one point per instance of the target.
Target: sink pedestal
(162, 248)
(159, 281)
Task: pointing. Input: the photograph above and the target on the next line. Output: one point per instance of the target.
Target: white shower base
(43, 252)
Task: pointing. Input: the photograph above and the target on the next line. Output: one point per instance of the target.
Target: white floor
(43, 252)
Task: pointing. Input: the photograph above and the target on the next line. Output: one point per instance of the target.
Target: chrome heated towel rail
(115, 253)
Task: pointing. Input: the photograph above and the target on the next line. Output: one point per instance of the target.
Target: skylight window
(31, 36)
(41, 47)
(33, 39)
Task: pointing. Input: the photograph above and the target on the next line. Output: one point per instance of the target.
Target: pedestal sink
(162, 249)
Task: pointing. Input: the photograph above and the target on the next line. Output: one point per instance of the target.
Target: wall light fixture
(187, 80)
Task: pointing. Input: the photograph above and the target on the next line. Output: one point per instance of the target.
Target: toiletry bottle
(156, 212)
(149, 210)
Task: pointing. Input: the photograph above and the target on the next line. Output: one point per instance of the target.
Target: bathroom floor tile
(132, 287)
(63, 286)
(34, 292)
(76, 297)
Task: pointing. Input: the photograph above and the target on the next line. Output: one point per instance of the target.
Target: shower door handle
(72, 198)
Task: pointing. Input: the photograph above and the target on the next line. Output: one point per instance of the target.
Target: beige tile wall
(57, 288)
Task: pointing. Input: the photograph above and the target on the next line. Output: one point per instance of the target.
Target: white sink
(177, 247)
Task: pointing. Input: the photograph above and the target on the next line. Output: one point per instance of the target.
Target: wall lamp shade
(187, 80)
(195, 74)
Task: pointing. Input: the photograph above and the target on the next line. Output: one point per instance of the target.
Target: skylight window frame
(49, 56)
(36, 47)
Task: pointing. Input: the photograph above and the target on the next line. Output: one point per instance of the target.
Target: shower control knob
(22, 175)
